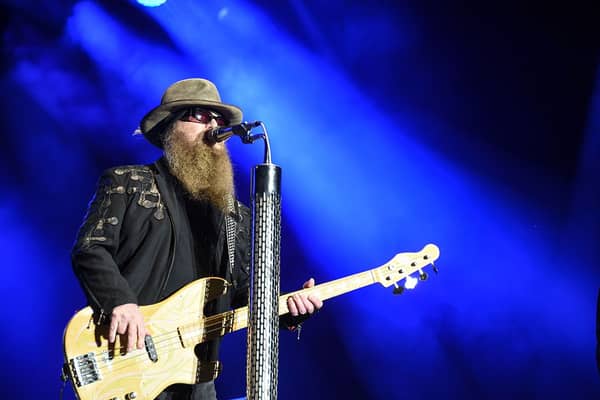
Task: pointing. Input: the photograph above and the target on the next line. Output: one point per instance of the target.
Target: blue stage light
(152, 3)
(359, 186)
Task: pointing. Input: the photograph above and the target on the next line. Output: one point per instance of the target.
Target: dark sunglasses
(203, 116)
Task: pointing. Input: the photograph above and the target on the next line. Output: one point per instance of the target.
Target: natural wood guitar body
(175, 325)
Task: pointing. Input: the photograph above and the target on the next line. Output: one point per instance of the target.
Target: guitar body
(100, 371)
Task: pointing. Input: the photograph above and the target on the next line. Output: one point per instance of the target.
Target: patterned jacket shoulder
(139, 182)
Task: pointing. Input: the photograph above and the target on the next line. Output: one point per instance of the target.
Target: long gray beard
(206, 174)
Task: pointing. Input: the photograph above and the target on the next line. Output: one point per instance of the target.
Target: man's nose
(213, 123)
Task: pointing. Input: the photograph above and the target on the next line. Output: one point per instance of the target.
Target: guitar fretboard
(398, 268)
(239, 317)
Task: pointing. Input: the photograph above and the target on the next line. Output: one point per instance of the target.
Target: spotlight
(152, 3)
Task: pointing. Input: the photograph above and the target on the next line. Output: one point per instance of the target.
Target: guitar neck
(328, 290)
(399, 267)
(331, 289)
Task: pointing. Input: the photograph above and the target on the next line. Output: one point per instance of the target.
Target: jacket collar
(168, 187)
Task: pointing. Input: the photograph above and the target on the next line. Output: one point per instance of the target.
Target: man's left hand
(300, 304)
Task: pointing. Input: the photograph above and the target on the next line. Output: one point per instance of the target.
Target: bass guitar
(100, 370)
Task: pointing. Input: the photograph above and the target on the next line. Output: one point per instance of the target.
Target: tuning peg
(398, 289)
(435, 269)
(423, 276)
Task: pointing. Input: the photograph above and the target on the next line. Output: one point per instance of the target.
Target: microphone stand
(262, 356)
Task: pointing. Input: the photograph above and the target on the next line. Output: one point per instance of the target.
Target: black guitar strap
(231, 229)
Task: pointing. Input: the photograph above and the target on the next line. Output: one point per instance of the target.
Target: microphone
(225, 132)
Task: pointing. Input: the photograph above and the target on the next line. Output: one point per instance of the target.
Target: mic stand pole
(263, 328)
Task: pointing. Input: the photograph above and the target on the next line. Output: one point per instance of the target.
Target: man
(151, 229)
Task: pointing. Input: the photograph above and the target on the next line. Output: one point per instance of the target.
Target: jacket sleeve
(94, 253)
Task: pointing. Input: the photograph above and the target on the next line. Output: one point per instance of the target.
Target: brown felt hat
(181, 95)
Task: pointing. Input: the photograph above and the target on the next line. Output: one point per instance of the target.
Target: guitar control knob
(131, 396)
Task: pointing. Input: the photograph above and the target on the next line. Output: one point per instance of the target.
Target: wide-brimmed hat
(182, 95)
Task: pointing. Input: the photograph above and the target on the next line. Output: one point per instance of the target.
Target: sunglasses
(203, 116)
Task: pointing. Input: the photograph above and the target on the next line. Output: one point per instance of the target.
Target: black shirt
(201, 235)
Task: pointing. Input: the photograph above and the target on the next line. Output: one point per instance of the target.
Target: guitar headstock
(405, 264)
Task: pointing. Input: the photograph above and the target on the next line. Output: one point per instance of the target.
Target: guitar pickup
(150, 348)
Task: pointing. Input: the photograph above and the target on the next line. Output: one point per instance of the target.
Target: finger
(318, 303)
(292, 307)
(309, 283)
(132, 333)
(122, 330)
(299, 305)
(310, 308)
(141, 335)
(122, 325)
(112, 330)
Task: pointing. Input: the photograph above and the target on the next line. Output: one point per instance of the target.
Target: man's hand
(300, 304)
(126, 319)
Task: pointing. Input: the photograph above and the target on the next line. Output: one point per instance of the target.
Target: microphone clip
(242, 130)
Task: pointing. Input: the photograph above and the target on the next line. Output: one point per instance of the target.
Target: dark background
(475, 126)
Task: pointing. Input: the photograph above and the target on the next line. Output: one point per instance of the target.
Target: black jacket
(136, 226)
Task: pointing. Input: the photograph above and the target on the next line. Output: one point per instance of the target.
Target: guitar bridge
(84, 369)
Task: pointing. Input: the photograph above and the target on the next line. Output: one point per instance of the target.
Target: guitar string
(163, 344)
(123, 363)
(212, 324)
(218, 325)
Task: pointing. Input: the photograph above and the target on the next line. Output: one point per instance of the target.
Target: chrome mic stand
(262, 358)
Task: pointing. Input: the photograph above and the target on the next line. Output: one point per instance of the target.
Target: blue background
(475, 127)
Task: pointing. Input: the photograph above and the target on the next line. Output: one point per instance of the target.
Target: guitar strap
(230, 230)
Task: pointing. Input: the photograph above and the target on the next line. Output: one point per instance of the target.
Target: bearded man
(151, 229)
